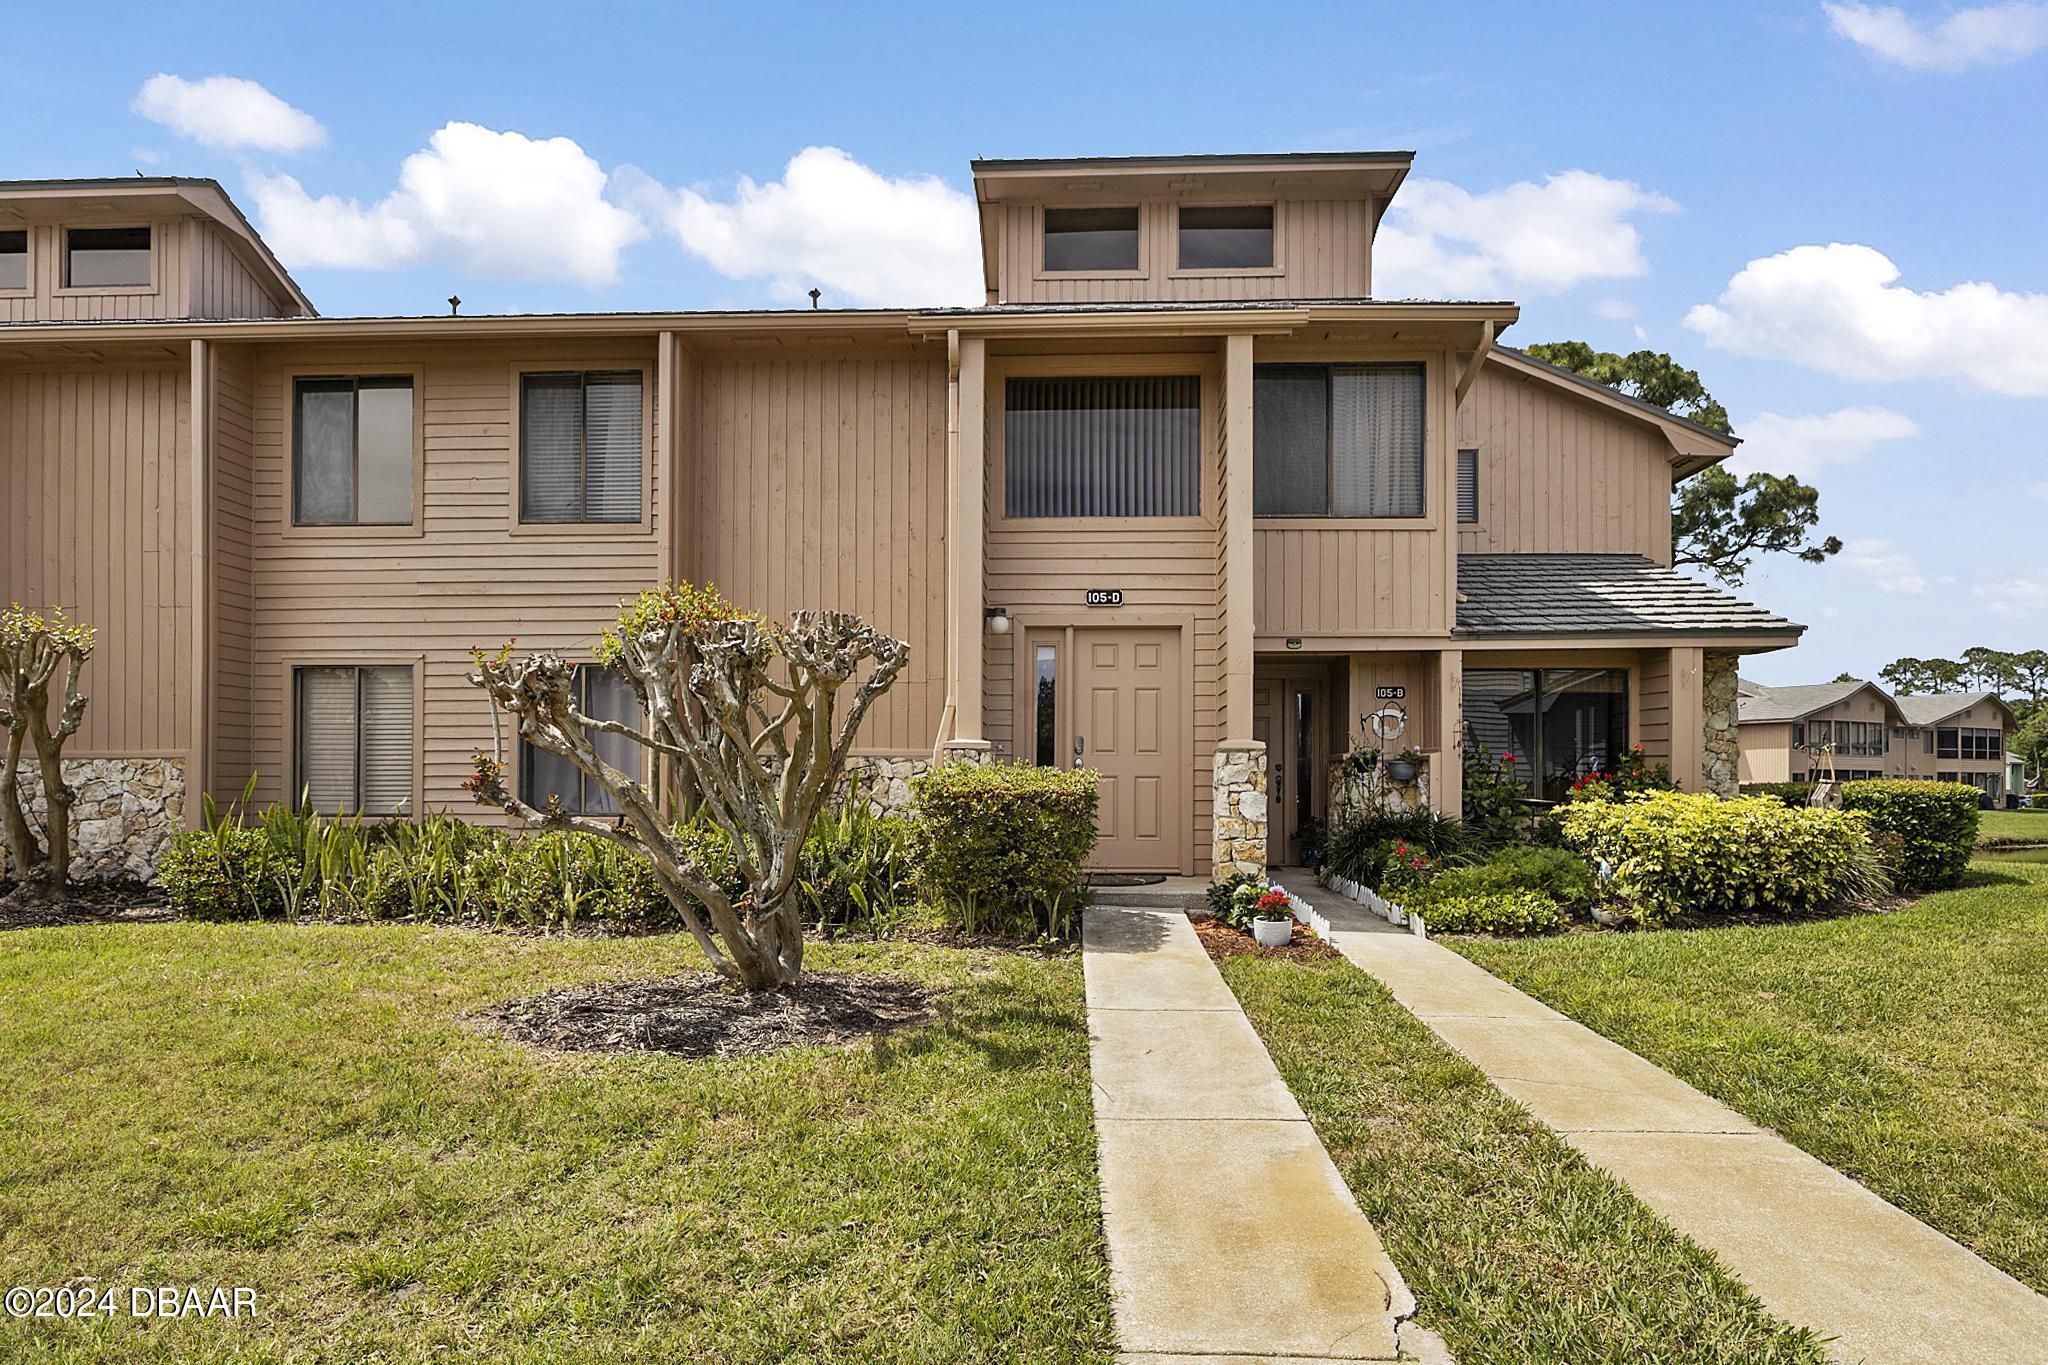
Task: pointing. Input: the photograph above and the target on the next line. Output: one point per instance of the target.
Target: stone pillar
(1238, 839)
(978, 751)
(1719, 749)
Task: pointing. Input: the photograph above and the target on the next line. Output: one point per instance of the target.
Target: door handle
(1080, 747)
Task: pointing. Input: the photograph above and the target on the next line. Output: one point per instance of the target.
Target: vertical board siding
(1324, 251)
(821, 484)
(218, 284)
(420, 596)
(95, 503)
(1559, 473)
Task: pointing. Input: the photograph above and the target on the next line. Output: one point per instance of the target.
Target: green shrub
(556, 878)
(858, 869)
(1222, 896)
(1674, 853)
(1006, 845)
(1485, 912)
(1936, 822)
(222, 873)
(1496, 803)
(1361, 844)
(1794, 794)
(1562, 876)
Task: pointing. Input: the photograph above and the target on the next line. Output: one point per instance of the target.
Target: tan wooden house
(1181, 501)
(1791, 734)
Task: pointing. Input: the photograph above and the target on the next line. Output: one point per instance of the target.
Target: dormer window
(106, 258)
(1091, 239)
(13, 260)
(1235, 237)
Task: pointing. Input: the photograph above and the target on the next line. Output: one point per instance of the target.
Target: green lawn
(2013, 826)
(296, 1110)
(1516, 1248)
(1908, 1049)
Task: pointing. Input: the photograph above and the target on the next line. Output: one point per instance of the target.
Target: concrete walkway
(1819, 1249)
(1232, 1238)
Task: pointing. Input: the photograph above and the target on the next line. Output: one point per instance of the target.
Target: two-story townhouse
(1181, 501)
(1789, 734)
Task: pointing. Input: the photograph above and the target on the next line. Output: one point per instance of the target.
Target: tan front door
(1129, 722)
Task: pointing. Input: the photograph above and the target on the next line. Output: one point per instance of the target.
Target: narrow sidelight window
(601, 694)
(1113, 447)
(1091, 239)
(1045, 704)
(1337, 441)
(352, 451)
(580, 447)
(1468, 485)
(355, 749)
(106, 258)
(1235, 238)
(14, 259)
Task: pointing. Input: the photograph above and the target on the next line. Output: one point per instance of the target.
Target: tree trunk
(23, 849)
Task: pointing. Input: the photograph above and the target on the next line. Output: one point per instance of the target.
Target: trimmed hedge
(1678, 853)
(1485, 912)
(1006, 844)
(1935, 821)
(1558, 874)
(1794, 794)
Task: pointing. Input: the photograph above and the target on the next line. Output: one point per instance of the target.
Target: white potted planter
(1273, 933)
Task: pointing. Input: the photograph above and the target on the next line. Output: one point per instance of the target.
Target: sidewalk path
(1819, 1249)
(1231, 1235)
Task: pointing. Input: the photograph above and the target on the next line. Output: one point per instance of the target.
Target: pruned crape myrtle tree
(33, 647)
(748, 721)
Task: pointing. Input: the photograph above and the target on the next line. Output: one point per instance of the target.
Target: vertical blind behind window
(580, 447)
(1125, 446)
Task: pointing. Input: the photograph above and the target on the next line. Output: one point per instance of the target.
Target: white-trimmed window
(546, 778)
(580, 446)
(355, 739)
(352, 451)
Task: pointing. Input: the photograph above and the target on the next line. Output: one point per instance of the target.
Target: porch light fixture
(998, 619)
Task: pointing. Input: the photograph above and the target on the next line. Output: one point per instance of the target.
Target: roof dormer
(1295, 225)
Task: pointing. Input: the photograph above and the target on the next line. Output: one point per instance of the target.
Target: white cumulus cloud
(1805, 444)
(227, 111)
(1442, 241)
(1838, 308)
(2013, 596)
(834, 223)
(499, 204)
(1885, 564)
(1987, 35)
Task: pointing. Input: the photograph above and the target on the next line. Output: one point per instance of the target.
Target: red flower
(1507, 758)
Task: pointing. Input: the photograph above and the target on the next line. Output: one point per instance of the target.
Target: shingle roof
(1790, 703)
(1928, 710)
(1578, 594)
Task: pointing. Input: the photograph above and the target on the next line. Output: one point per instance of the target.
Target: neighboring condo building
(1785, 731)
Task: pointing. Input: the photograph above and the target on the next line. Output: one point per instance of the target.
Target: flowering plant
(1407, 866)
(1274, 905)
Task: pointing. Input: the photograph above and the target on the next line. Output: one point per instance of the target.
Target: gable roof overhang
(1933, 709)
(1781, 705)
(80, 202)
(1693, 447)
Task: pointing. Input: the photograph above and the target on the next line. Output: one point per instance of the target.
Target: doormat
(1125, 878)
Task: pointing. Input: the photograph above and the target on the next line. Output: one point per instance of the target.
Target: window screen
(1233, 238)
(355, 750)
(14, 259)
(1127, 446)
(580, 447)
(1091, 239)
(1560, 724)
(352, 452)
(1354, 449)
(1468, 485)
(103, 258)
(601, 694)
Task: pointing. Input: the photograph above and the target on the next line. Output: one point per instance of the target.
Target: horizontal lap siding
(1324, 248)
(1559, 473)
(467, 580)
(43, 302)
(821, 484)
(95, 517)
(234, 567)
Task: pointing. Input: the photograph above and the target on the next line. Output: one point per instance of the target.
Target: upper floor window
(1091, 239)
(580, 438)
(547, 779)
(1337, 441)
(355, 732)
(14, 259)
(1468, 485)
(352, 451)
(1226, 238)
(1120, 446)
(106, 258)
(1945, 742)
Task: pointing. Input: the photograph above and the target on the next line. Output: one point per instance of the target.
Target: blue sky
(1720, 151)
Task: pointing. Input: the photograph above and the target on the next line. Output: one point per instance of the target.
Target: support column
(1719, 749)
(1688, 709)
(1447, 767)
(966, 509)
(1238, 623)
(198, 762)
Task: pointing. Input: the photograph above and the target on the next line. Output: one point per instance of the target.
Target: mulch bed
(85, 903)
(698, 1015)
(1222, 941)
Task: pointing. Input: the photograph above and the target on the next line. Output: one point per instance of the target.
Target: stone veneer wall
(885, 781)
(1719, 752)
(1238, 837)
(1378, 792)
(125, 815)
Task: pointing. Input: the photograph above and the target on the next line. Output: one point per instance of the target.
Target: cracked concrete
(1232, 1236)
(1817, 1248)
